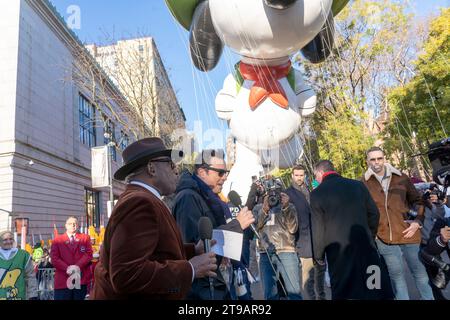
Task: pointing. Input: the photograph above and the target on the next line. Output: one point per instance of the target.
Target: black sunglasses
(172, 164)
(221, 172)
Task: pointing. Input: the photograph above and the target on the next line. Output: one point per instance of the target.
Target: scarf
(303, 189)
(220, 209)
(328, 173)
(8, 253)
(266, 83)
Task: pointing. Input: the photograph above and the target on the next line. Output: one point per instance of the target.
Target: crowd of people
(360, 232)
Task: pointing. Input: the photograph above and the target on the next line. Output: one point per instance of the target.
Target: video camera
(439, 155)
(442, 277)
(272, 187)
(428, 189)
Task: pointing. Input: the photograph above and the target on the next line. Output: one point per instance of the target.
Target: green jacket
(12, 276)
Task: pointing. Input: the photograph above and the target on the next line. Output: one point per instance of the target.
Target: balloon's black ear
(321, 46)
(206, 46)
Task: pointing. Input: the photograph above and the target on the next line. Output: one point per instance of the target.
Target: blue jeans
(286, 264)
(393, 256)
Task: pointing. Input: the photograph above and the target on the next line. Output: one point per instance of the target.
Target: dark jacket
(344, 223)
(432, 214)
(435, 246)
(190, 204)
(402, 196)
(431, 257)
(143, 256)
(303, 236)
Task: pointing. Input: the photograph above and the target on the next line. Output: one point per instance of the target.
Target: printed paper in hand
(229, 244)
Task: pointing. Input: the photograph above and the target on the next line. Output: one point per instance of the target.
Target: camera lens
(273, 199)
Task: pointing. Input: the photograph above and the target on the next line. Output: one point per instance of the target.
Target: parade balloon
(264, 98)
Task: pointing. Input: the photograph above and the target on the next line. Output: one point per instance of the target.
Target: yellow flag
(28, 248)
(101, 236)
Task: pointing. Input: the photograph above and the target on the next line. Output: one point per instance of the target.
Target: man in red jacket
(71, 255)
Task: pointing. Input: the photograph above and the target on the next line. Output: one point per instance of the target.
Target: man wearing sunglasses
(398, 236)
(143, 256)
(197, 196)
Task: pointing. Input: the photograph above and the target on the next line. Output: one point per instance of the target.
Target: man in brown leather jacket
(277, 231)
(398, 233)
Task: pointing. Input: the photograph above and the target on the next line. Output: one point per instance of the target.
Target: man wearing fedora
(143, 256)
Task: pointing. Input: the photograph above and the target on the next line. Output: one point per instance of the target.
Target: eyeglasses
(8, 239)
(221, 172)
(172, 164)
(376, 159)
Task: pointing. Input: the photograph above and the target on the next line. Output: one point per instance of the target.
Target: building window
(86, 113)
(92, 207)
(111, 130)
(124, 140)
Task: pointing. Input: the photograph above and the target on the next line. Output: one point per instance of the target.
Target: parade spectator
(197, 196)
(313, 274)
(17, 279)
(38, 252)
(277, 229)
(344, 222)
(142, 255)
(71, 255)
(45, 262)
(398, 235)
(431, 238)
(439, 271)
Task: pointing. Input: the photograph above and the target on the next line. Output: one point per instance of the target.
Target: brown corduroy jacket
(143, 256)
(402, 196)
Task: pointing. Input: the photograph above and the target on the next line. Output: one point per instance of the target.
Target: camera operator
(438, 270)
(434, 211)
(438, 242)
(277, 224)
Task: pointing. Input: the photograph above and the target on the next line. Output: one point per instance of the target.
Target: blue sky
(195, 90)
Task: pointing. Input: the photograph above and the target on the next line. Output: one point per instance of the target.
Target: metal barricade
(45, 280)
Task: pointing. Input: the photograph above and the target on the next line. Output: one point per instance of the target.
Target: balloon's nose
(279, 4)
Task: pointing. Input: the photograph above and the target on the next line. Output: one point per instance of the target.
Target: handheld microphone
(235, 199)
(205, 230)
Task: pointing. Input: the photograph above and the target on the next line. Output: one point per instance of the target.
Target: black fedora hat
(140, 152)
